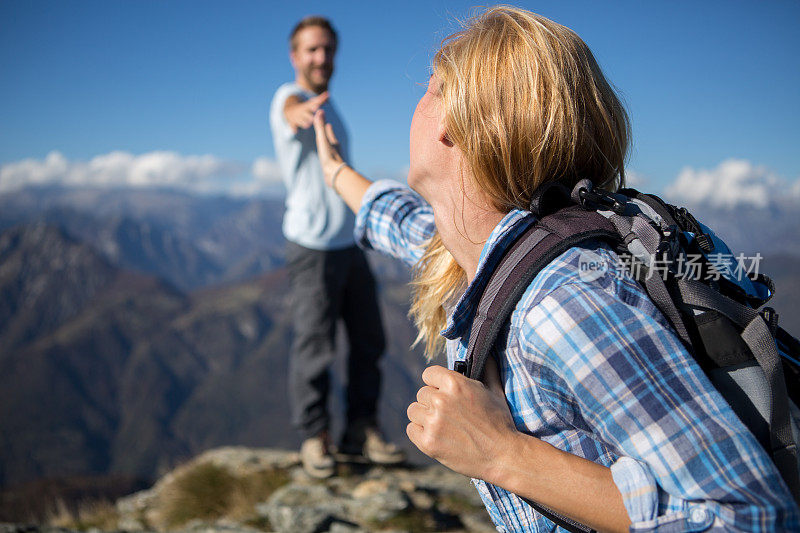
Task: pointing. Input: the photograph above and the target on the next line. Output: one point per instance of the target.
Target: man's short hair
(312, 20)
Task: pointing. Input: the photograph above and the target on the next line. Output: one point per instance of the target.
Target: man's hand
(462, 423)
(300, 113)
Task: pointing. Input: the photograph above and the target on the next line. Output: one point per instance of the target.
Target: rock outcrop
(247, 490)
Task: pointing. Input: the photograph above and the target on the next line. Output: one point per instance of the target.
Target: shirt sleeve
(394, 220)
(491, 507)
(277, 120)
(686, 461)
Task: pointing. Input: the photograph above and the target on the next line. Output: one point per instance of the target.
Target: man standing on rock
(330, 277)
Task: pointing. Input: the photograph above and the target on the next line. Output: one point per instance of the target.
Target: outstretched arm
(299, 113)
(467, 426)
(347, 183)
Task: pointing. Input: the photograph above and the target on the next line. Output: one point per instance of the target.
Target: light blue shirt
(315, 215)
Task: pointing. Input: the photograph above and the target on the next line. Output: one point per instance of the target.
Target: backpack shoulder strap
(533, 250)
(762, 344)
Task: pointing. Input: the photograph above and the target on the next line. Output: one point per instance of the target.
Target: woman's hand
(462, 423)
(467, 426)
(327, 147)
(350, 185)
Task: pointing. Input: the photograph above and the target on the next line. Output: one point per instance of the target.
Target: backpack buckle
(770, 316)
(600, 199)
(689, 223)
(669, 249)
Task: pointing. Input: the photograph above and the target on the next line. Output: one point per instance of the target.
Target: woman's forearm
(347, 183)
(568, 484)
(351, 186)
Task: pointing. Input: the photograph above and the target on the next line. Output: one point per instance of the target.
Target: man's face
(312, 58)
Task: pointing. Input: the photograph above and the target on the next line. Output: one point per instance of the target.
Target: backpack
(714, 308)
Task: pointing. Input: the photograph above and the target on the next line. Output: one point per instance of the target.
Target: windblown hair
(312, 20)
(526, 103)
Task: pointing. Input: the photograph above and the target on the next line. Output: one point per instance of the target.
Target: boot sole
(319, 473)
(359, 458)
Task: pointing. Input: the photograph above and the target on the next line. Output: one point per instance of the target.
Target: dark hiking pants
(326, 286)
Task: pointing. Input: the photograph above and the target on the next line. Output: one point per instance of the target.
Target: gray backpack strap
(533, 250)
(560, 520)
(537, 247)
(644, 242)
(784, 448)
(761, 343)
(657, 290)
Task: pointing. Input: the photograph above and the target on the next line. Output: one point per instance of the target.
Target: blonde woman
(594, 409)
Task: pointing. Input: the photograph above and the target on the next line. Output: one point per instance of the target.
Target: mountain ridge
(136, 374)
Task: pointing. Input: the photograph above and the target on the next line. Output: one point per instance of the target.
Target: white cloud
(152, 169)
(265, 180)
(733, 183)
(33, 172)
(197, 173)
(635, 179)
(117, 169)
(266, 171)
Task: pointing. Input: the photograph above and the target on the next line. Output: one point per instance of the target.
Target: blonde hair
(526, 103)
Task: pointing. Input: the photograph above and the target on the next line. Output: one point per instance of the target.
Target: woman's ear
(443, 138)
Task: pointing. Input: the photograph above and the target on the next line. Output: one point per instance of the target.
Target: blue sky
(704, 82)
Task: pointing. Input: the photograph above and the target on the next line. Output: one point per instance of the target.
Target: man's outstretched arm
(299, 113)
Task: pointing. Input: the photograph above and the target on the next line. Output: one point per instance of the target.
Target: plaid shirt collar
(500, 240)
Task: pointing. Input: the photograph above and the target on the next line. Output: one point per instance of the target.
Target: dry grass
(408, 520)
(203, 492)
(210, 492)
(59, 515)
(255, 488)
(100, 514)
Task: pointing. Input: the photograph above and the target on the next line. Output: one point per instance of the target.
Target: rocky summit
(238, 489)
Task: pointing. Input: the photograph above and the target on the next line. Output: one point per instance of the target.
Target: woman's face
(428, 157)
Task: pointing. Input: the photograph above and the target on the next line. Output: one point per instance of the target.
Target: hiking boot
(367, 442)
(316, 458)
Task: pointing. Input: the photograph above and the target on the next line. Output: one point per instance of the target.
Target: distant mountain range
(774, 231)
(104, 368)
(141, 327)
(190, 241)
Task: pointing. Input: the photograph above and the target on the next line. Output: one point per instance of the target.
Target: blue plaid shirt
(592, 367)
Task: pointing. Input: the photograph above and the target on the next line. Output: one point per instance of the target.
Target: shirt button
(700, 517)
